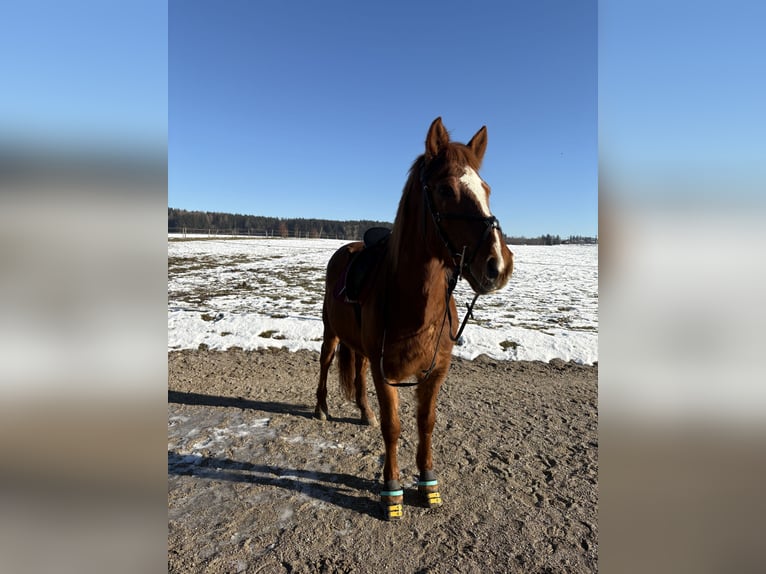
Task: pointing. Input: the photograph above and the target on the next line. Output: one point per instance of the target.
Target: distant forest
(552, 240)
(183, 221)
(215, 223)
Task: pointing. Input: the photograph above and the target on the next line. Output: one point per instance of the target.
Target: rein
(460, 261)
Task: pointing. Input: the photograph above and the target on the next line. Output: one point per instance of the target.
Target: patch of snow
(261, 293)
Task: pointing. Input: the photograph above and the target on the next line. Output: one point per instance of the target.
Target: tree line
(548, 239)
(183, 221)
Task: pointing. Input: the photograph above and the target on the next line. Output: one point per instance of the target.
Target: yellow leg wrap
(393, 511)
(434, 499)
(429, 492)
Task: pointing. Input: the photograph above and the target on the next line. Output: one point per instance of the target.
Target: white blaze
(474, 185)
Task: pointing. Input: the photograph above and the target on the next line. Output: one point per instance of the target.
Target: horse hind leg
(326, 356)
(360, 385)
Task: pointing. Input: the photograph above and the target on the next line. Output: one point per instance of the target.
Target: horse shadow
(275, 407)
(339, 489)
(344, 490)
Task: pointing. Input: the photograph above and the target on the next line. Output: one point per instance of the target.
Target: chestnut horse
(443, 230)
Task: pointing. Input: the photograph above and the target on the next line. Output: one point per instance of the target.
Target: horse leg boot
(391, 495)
(428, 485)
(325, 359)
(360, 384)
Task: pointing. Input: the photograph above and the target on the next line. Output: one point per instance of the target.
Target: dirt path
(256, 484)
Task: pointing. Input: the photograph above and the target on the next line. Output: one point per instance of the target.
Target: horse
(443, 230)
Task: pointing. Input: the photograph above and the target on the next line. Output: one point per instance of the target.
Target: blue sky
(682, 92)
(318, 110)
(80, 71)
(291, 112)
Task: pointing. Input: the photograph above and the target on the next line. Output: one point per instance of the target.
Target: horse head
(456, 200)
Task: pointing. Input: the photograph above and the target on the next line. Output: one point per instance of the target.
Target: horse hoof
(369, 420)
(391, 499)
(428, 488)
(320, 414)
(392, 512)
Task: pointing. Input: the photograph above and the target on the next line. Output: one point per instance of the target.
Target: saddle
(353, 283)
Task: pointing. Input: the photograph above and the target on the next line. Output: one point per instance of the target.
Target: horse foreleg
(427, 391)
(329, 345)
(392, 495)
(360, 385)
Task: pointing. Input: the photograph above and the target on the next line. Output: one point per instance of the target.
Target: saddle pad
(362, 265)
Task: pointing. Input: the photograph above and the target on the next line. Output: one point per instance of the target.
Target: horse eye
(446, 191)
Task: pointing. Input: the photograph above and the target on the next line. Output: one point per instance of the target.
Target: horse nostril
(492, 269)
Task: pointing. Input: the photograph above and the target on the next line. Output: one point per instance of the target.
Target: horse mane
(409, 215)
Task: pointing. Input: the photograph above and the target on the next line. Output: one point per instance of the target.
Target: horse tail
(346, 371)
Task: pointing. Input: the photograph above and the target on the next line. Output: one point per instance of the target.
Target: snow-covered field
(258, 293)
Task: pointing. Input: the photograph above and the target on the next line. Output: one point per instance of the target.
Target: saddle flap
(363, 265)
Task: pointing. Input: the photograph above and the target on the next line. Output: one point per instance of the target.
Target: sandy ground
(256, 484)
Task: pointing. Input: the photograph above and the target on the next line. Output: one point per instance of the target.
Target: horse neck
(420, 277)
(417, 274)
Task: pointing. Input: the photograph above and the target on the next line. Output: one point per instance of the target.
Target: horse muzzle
(489, 274)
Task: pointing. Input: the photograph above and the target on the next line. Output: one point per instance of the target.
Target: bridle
(460, 261)
(458, 256)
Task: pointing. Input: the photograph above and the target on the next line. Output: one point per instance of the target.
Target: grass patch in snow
(508, 345)
(272, 334)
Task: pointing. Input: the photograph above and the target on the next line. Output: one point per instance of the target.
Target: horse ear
(478, 143)
(437, 138)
